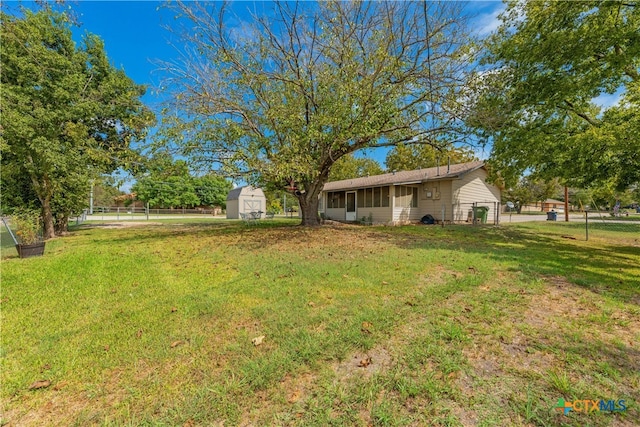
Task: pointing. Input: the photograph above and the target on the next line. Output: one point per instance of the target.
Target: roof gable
(406, 177)
(235, 193)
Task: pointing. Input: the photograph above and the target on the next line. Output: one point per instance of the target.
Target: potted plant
(28, 232)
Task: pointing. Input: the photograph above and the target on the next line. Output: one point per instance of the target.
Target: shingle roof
(405, 177)
(246, 190)
(235, 193)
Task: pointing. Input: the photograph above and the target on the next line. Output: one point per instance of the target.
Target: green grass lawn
(418, 325)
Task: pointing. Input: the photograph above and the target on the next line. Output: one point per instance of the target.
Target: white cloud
(487, 23)
(608, 100)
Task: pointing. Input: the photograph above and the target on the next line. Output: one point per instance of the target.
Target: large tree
(68, 115)
(410, 157)
(349, 166)
(550, 66)
(279, 98)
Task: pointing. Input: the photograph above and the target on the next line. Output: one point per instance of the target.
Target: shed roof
(405, 177)
(247, 189)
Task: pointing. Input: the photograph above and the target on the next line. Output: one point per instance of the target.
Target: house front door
(351, 206)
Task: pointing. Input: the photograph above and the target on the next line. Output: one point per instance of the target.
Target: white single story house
(244, 200)
(444, 192)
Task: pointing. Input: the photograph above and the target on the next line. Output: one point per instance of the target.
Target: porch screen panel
(385, 197)
(368, 197)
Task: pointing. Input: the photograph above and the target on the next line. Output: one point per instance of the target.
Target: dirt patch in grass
(564, 300)
(363, 364)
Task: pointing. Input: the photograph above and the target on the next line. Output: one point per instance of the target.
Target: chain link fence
(141, 213)
(477, 213)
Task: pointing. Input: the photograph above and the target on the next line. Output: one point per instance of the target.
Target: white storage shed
(244, 200)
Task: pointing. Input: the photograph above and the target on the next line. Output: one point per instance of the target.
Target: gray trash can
(552, 216)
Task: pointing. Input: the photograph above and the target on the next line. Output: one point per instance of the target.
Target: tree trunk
(62, 225)
(309, 209)
(47, 218)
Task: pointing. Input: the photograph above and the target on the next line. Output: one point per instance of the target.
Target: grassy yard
(155, 324)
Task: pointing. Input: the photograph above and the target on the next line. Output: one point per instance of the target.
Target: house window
(335, 200)
(406, 197)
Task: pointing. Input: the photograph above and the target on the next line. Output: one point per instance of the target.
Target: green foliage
(306, 84)
(170, 185)
(212, 190)
(68, 115)
(28, 224)
(550, 61)
(529, 190)
(354, 167)
(274, 206)
(105, 192)
(170, 192)
(410, 157)
(602, 197)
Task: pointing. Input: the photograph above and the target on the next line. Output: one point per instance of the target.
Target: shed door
(252, 206)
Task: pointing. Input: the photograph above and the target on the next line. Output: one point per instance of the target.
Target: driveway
(506, 218)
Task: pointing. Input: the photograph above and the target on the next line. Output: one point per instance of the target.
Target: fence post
(4, 221)
(586, 224)
(473, 209)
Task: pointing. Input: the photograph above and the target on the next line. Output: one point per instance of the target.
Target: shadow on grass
(608, 269)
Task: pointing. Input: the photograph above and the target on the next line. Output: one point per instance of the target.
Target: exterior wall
(400, 214)
(378, 215)
(473, 188)
(433, 205)
(232, 209)
(336, 214)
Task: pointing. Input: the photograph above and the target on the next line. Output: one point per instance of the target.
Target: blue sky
(135, 37)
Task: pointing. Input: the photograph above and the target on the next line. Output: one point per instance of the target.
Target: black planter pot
(27, 251)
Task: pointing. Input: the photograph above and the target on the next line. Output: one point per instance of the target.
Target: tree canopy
(283, 97)
(169, 184)
(67, 115)
(348, 167)
(410, 157)
(537, 101)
